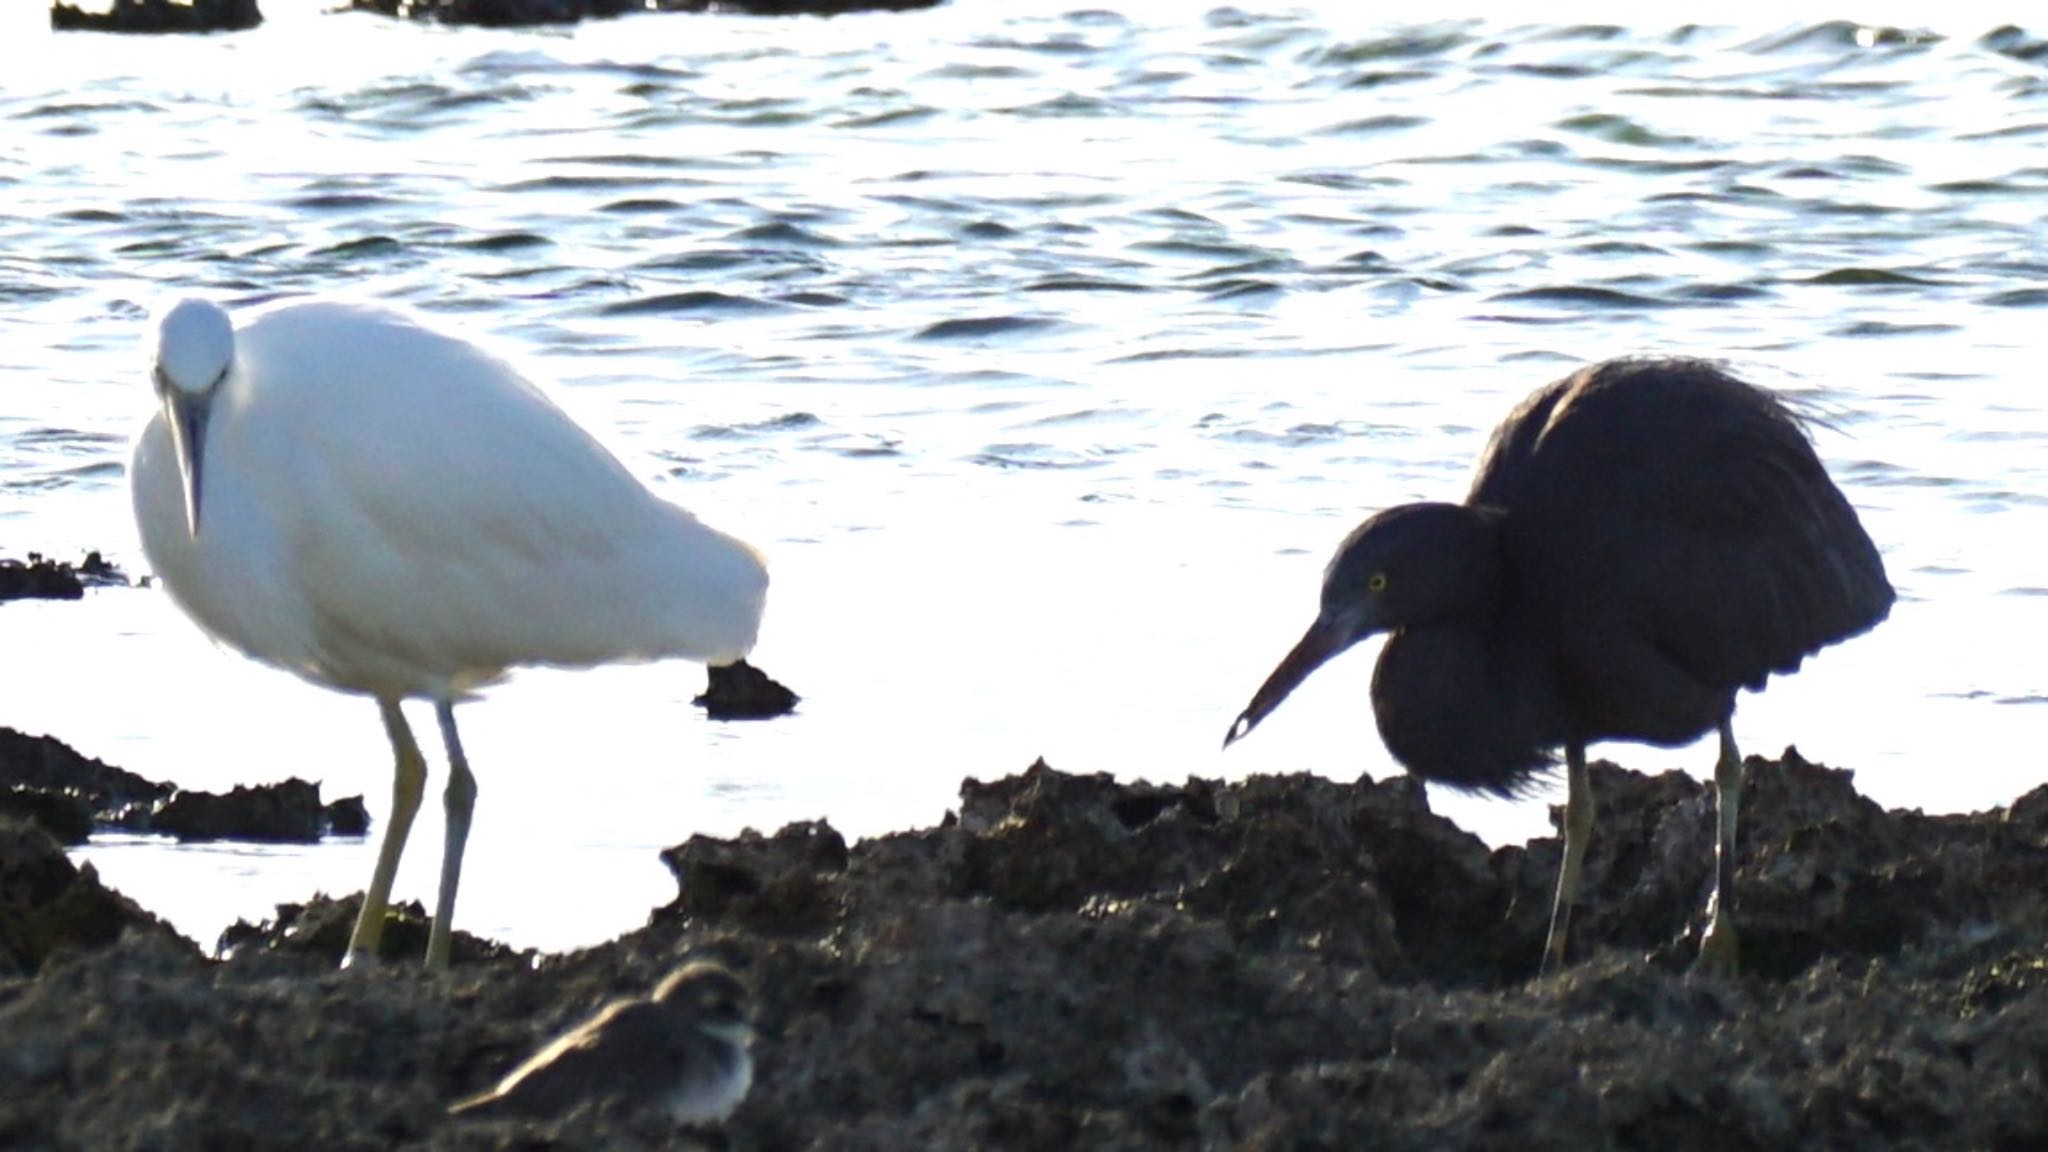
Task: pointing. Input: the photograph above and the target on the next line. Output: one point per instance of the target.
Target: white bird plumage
(343, 491)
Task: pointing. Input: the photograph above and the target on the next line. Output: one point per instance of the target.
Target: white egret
(343, 492)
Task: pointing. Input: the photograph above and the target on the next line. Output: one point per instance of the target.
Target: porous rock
(46, 779)
(740, 691)
(1074, 963)
(50, 906)
(65, 816)
(46, 764)
(319, 929)
(287, 812)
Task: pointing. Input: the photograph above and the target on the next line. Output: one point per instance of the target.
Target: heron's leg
(409, 782)
(460, 800)
(1578, 828)
(1718, 949)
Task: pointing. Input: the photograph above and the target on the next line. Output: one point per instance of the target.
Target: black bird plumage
(1642, 539)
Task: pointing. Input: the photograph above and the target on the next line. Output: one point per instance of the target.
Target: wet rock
(1170, 966)
(38, 579)
(319, 929)
(43, 776)
(2008, 40)
(346, 817)
(166, 1051)
(159, 16)
(1647, 869)
(512, 13)
(66, 817)
(780, 884)
(46, 764)
(1363, 872)
(42, 578)
(1820, 868)
(287, 812)
(497, 13)
(50, 906)
(98, 572)
(1070, 962)
(799, 7)
(740, 691)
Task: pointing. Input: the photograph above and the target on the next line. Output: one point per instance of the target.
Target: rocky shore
(1068, 962)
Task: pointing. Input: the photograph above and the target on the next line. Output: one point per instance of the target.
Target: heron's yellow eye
(1377, 582)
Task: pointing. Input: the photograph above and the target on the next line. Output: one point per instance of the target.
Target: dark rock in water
(1276, 963)
(159, 16)
(65, 816)
(96, 572)
(346, 817)
(513, 13)
(71, 784)
(319, 929)
(798, 7)
(498, 13)
(50, 906)
(287, 812)
(41, 578)
(740, 691)
(2008, 40)
(46, 764)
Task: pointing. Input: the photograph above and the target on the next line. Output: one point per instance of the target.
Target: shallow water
(1047, 351)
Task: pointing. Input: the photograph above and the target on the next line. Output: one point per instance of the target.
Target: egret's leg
(1718, 949)
(1578, 828)
(460, 800)
(409, 783)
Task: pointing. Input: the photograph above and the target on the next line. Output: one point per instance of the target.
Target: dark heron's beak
(1329, 635)
(187, 415)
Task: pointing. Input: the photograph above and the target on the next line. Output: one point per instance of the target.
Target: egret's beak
(1325, 638)
(187, 415)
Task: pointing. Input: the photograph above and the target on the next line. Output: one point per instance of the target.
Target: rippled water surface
(1047, 351)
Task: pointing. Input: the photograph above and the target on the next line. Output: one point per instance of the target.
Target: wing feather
(438, 512)
(1669, 505)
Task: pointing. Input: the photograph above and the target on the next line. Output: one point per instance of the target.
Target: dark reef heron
(1642, 538)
